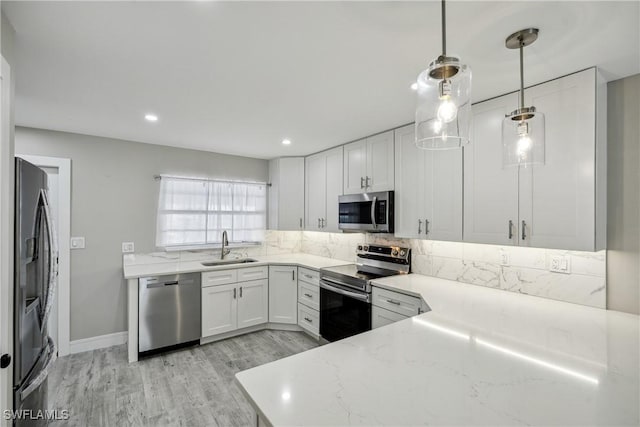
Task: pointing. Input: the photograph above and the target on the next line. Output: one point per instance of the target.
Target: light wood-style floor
(189, 387)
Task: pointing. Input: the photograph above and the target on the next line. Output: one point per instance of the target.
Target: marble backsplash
(527, 271)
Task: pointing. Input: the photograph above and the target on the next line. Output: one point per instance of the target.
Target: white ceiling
(238, 77)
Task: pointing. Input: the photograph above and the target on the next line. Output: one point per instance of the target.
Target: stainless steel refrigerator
(36, 264)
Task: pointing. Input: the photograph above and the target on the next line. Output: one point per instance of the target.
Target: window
(195, 212)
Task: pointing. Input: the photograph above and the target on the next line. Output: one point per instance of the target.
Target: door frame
(64, 251)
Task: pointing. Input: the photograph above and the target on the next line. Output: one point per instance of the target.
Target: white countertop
(480, 357)
(140, 265)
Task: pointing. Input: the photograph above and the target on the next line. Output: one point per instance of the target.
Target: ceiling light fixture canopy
(443, 111)
(523, 129)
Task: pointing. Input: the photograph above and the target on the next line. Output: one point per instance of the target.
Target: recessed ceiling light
(414, 86)
(286, 141)
(151, 117)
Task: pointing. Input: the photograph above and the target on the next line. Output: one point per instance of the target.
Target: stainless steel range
(345, 291)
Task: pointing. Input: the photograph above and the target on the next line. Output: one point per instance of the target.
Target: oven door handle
(354, 295)
(373, 212)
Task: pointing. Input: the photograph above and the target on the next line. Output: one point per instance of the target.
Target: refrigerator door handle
(53, 260)
(39, 379)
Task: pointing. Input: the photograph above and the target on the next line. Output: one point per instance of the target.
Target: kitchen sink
(228, 262)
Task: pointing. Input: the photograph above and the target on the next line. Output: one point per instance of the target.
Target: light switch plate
(77, 243)
(560, 264)
(504, 259)
(127, 247)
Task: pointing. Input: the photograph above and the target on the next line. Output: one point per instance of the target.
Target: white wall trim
(64, 250)
(95, 343)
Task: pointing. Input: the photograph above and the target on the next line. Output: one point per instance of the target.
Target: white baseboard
(94, 343)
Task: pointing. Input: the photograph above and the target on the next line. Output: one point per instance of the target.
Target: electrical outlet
(560, 264)
(77, 243)
(505, 259)
(127, 247)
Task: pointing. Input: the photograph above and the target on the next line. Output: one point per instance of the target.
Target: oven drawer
(309, 319)
(309, 276)
(309, 295)
(396, 302)
(219, 277)
(253, 273)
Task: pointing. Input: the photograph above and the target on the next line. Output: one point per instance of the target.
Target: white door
(409, 192)
(382, 317)
(253, 303)
(490, 192)
(6, 246)
(315, 194)
(219, 309)
(283, 294)
(334, 172)
(54, 191)
(380, 164)
(355, 167)
(291, 193)
(557, 199)
(443, 195)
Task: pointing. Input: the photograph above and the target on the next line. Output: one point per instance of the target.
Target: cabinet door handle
(322, 222)
(390, 301)
(366, 182)
(308, 296)
(419, 226)
(234, 293)
(240, 291)
(318, 222)
(300, 222)
(308, 320)
(510, 229)
(426, 227)
(293, 275)
(524, 225)
(361, 182)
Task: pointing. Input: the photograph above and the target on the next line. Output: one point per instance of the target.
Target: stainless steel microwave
(372, 212)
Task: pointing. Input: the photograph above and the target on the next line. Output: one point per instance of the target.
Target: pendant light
(443, 110)
(523, 129)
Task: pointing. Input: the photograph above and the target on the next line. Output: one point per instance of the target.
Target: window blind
(195, 212)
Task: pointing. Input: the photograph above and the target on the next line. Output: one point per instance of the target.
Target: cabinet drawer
(382, 317)
(219, 277)
(309, 295)
(253, 273)
(310, 276)
(309, 319)
(396, 302)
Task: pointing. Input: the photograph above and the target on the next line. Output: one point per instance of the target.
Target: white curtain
(194, 212)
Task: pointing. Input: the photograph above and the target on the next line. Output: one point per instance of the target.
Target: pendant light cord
(521, 72)
(444, 29)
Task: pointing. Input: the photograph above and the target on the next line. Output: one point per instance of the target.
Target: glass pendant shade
(443, 111)
(523, 138)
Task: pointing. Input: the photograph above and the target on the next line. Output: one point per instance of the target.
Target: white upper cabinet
(490, 192)
(558, 205)
(369, 164)
(428, 195)
(323, 186)
(286, 194)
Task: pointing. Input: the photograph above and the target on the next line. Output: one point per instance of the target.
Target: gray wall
(114, 200)
(623, 192)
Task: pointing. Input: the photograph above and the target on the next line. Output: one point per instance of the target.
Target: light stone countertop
(141, 265)
(480, 357)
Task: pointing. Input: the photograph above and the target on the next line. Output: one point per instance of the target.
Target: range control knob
(366, 248)
(394, 252)
(403, 252)
(359, 247)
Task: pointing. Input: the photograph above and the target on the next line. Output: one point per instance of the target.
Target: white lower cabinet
(309, 319)
(382, 317)
(283, 294)
(253, 303)
(227, 307)
(219, 309)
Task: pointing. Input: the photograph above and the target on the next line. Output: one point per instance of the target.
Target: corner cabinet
(283, 294)
(323, 186)
(428, 194)
(369, 165)
(558, 205)
(286, 194)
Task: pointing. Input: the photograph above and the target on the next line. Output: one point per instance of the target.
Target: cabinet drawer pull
(390, 301)
(308, 276)
(308, 296)
(308, 320)
(524, 225)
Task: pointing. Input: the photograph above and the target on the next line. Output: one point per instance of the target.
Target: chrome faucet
(225, 242)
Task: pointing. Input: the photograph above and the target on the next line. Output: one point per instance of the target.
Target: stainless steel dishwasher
(168, 310)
